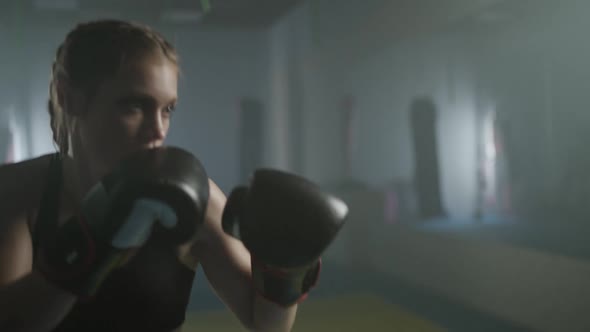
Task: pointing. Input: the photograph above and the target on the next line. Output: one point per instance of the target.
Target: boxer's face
(129, 111)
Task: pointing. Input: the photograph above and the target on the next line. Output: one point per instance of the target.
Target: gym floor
(345, 301)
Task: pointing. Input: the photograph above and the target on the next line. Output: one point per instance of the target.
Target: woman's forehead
(148, 76)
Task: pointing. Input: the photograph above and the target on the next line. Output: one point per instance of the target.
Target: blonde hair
(91, 52)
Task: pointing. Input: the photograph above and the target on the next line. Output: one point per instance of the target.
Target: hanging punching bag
(6, 145)
(426, 163)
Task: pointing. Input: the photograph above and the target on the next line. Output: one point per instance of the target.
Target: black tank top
(150, 293)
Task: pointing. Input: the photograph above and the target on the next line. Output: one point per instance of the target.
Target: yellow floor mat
(345, 313)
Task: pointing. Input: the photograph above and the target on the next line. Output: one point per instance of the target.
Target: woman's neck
(79, 177)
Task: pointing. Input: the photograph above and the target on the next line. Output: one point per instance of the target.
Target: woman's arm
(226, 264)
(27, 301)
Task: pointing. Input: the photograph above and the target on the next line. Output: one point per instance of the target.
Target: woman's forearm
(32, 304)
(270, 317)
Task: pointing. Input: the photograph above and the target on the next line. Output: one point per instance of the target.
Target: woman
(113, 91)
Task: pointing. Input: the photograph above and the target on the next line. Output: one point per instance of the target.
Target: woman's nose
(154, 124)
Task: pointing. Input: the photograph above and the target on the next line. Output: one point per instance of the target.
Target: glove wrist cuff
(73, 260)
(282, 286)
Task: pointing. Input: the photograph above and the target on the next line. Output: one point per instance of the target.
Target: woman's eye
(170, 109)
(133, 107)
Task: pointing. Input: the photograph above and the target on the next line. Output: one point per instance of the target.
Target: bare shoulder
(20, 190)
(216, 203)
(211, 229)
(22, 185)
(188, 252)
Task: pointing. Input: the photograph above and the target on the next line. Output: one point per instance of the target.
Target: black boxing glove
(286, 222)
(165, 188)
